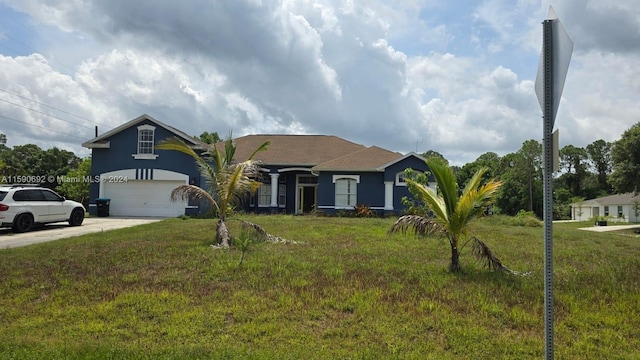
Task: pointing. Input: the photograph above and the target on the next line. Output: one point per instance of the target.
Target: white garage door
(143, 198)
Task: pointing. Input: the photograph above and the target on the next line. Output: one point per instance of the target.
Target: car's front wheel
(23, 223)
(76, 218)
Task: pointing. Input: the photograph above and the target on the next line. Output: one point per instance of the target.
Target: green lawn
(159, 291)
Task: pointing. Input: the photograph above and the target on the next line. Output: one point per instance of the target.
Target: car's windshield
(2, 195)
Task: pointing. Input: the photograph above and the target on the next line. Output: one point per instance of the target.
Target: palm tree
(452, 212)
(226, 181)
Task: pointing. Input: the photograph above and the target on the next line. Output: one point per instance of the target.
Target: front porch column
(274, 190)
(388, 195)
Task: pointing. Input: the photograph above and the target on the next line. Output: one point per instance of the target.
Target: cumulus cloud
(404, 75)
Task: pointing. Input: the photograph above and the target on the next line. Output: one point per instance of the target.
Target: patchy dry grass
(350, 291)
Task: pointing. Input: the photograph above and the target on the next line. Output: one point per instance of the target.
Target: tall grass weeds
(347, 291)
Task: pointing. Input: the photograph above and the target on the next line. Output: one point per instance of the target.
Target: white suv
(22, 206)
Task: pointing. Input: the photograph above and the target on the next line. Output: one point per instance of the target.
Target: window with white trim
(264, 195)
(401, 179)
(145, 146)
(346, 188)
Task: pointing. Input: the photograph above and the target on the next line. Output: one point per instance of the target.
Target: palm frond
(473, 202)
(235, 182)
(484, 253)
(431, 198)
(176, 144)
(417, 224)
(229, 150)
(446, 182)
(265, 235)
(186, 192)
(262, 147)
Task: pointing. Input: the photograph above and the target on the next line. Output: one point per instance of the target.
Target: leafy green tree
(599, 153)
(209, 138)
(625, 154)
(434, 154)
(452, 212)
(490, 160)
(521, 174)
(77, 187)
(562, 199)
(573, 162)
(226, 181)
(414, 205)
(24, 160)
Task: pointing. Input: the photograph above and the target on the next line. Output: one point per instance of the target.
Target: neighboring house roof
(367, 159)
(617, 199)
(294, 150)
(102, 141)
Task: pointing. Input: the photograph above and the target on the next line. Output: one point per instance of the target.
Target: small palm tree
(452, 212)
(226, 182)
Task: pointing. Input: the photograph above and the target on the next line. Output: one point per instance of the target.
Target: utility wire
(49, 106)
(41, 127)
(45, 114)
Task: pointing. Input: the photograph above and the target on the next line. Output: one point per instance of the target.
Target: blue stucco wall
(410, 162)
(119, 157)
(401, 191)
(370, 190)
(290, 182)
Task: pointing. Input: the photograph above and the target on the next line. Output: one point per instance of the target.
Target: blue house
(299, 173)
(302, 173)
(127, 169)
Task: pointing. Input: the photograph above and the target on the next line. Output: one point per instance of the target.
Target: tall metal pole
(549, 116)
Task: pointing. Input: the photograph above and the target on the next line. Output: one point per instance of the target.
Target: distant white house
(616, 208)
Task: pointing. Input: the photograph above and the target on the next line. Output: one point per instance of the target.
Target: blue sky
(406, 75)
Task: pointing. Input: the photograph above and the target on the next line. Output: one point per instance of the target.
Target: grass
(159, 291)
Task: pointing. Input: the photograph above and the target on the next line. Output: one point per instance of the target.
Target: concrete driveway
(62, 230)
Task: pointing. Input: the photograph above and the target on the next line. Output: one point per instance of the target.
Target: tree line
(29, 163)
(599, 169)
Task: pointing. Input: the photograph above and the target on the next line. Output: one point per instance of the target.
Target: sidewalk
(610, 228)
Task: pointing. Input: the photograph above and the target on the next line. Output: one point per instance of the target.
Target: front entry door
(306, 199)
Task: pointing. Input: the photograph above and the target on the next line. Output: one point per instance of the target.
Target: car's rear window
(2, 195)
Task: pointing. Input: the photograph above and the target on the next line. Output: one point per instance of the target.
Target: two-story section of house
(127, 169)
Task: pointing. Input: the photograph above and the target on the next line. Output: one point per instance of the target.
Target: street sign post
(552, 71)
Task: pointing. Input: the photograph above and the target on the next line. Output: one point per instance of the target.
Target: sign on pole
(552, 72)
(560, 56)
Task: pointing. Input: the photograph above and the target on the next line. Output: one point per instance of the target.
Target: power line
(49, 106)
(45, 114)
(41, 127)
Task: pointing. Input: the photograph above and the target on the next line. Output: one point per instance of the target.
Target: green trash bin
(103, 206)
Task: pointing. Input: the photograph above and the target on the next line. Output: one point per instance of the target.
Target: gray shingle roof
(612, 200)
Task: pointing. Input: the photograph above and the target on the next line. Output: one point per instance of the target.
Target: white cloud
(455, 78)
